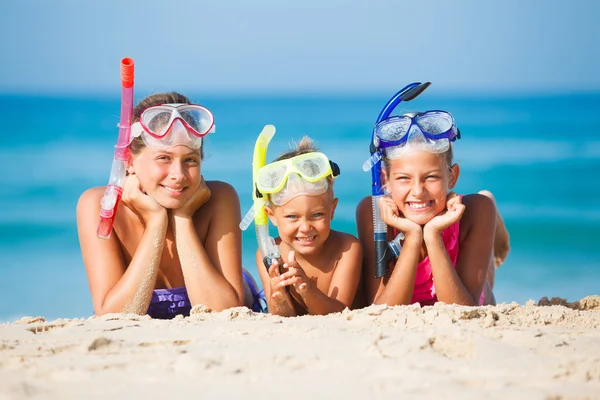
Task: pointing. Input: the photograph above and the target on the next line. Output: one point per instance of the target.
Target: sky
(310, 46)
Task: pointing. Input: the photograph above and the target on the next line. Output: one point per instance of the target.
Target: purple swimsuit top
(167, 303)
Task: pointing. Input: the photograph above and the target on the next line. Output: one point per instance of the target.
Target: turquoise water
(540, 156)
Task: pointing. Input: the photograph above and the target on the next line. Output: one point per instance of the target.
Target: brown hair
(137, 144)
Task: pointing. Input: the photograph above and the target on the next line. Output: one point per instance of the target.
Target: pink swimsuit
(424, 291)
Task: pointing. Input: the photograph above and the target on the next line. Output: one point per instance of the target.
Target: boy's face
(304, 222)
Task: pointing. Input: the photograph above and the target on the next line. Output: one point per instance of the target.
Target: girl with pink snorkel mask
(175, 242)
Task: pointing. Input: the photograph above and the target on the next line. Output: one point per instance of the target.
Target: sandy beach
(508, 351)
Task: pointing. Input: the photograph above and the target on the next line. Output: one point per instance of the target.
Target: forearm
(448, 285)
(400, 286)
(204, 284)
(133, 292)
(318, 303)
(282, 308)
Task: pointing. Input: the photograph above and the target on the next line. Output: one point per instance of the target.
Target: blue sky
(270, 46)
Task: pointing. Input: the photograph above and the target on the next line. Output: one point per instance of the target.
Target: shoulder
(222, 194)
(220, 187)
(478, 203)
(345, 241)
(479, 209)
(364, 205)
(90, 199)
(364, 216)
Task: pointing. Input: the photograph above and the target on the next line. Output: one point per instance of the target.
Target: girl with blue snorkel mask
(175, 242)
(442, 242)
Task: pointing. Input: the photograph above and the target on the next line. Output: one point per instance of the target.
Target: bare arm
(463, 284)
(399, 286)
(113, 286)
(395, 288)
(280, 303)
(213, 271)
(344, 282)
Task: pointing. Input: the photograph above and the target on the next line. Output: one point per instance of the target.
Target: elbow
(378, 301)
(381, 300)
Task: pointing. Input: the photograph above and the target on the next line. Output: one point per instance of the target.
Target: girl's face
(304, 223)
(169, 176)
(419, 183)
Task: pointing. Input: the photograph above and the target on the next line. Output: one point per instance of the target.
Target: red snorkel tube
(114, 189)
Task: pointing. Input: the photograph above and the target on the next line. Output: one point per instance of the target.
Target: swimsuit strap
(259, 303)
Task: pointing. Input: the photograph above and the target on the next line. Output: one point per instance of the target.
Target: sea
(539, 154)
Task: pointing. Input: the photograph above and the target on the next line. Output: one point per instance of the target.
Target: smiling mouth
(306, 240)
(173, 191)
(420, 206)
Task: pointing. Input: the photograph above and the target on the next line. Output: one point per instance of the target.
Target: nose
(417, 188)
(305, 226)
(176, 172)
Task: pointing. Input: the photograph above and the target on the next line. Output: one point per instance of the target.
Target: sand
(508, 351)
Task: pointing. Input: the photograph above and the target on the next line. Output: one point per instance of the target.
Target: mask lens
(156, 120)
(393, 129)
(270, 177)
(312, 168)
(435, 123)
(197, 118)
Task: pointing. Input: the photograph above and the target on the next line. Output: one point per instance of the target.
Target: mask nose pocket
(415, 136)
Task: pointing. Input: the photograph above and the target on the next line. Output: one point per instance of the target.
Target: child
(447, 250)
(321, 268)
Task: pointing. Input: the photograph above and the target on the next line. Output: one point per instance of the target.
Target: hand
(280, 299)
(453, 212)
(139, 202)
(198, 198)
(391, 216)
(295, 276)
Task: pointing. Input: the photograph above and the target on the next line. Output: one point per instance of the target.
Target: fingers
(130, 188)
(274, 269)
(291, 257)
(452, 201)
(290, 281)
(291, 272)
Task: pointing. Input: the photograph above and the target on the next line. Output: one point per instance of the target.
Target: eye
(318, 215)
(432, 177)
(163, 158)
(402, 178)
(291, 216)
(192, 161)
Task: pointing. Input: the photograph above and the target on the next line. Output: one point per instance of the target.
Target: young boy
(321, 267)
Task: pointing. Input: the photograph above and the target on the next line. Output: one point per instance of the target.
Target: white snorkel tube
(269, 251)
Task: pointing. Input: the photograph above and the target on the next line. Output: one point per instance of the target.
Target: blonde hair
(448, 157)
(304, 146)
